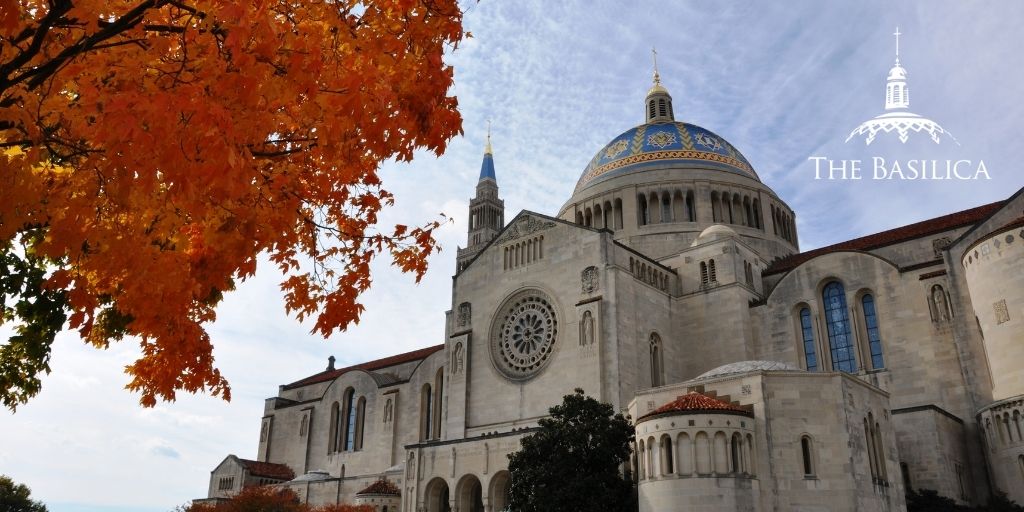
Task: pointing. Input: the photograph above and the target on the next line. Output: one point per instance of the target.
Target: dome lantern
(658, 104)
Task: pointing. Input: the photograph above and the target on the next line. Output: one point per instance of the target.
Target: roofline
(837, 247)
(328, 375)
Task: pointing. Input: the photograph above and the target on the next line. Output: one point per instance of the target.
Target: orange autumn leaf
(153, 149)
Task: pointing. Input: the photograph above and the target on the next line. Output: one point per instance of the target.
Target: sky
(782, 81)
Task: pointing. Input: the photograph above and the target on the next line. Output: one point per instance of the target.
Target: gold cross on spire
(654, 54)
(487, 150)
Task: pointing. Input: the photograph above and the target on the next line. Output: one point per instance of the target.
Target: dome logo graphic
(890, 131)
(897, 119)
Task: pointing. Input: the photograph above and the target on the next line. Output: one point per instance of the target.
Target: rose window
(524, 335)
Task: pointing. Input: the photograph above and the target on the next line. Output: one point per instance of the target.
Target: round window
(524, 334)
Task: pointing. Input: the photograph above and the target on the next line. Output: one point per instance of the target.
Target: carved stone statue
(941, 306)
(587, 329)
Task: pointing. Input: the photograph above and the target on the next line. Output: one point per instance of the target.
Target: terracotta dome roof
(381, 487)
(697, 403)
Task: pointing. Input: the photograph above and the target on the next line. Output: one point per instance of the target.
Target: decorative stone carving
(1002, 312)
(457, 359)
(745, 389)
(464, 314)
(940, 244)
(526, 225)
(589, 280)
(524, 334)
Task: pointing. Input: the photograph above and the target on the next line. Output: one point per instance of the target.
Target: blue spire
(487, 167)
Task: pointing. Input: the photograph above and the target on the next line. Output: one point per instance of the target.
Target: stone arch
(588, 217)
(436, 496)
(721, 453)
(678, 206)
(736, 464)
(684, 459)
(807, 455)
(598, 216)
(691, 207)
(654, 208)
(667, 459)
(579, 218)
(469, 494)
(751, 455)
(641, 460)
(499, 489)
(643, 212)
(653, 471)
(702, 447)
(607, 221)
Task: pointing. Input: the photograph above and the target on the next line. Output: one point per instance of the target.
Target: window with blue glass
(810, 355)
(840, 340)
(874, 340)
(350, 432)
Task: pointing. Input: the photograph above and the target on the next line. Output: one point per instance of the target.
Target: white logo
(897, 118)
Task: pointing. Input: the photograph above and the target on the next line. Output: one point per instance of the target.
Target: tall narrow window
(808, 456)
(438, 403)
(666, 208)
(711, 271)
(703, 273)
(332, 442)
(426, 412)
(360, 422)
(871, 324)
(657, 370)
(807, 334)
(837, 320)
(350, 421)
(645, 217)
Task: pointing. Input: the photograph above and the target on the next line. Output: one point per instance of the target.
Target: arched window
(807, 335)
(871, 324)
(735, 454)
(1020, 462)
(667, 466)
(426, 412)
(641, 462)
(438, 402)
(837, 320)
(332, 442)
(666, 208)
(645, 215)
(618, 214)
(349, 441)
(691, 209)
(360, 421)
(807, 454)
(703, 273)
(657, 361)
(579, 218)
(711, 271)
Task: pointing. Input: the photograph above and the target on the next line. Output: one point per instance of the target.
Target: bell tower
(486, 210)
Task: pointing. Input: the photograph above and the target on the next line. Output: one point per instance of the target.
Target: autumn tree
(573, 462)
(151, 151)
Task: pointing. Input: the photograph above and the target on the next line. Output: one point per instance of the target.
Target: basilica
(672, 286)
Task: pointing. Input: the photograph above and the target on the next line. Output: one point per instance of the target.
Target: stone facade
(851, 371)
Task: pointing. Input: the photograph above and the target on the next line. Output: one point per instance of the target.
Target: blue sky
(781, 81)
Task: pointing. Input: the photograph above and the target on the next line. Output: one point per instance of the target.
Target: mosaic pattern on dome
(615, 148)
(661, 140)
(660, 143)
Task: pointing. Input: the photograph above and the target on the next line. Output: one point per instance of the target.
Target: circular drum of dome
(523, 335)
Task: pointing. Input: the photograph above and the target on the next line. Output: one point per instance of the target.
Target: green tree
(15, 497)
(573, 462)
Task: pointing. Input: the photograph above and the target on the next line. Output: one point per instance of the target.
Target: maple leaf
(154, 149)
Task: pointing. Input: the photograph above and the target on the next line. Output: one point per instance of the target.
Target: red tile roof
(892, 236)
(268, 469)
(697, 403)
(376, 364)
(381, 487)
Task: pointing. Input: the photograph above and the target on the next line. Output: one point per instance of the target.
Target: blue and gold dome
(656, 144)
